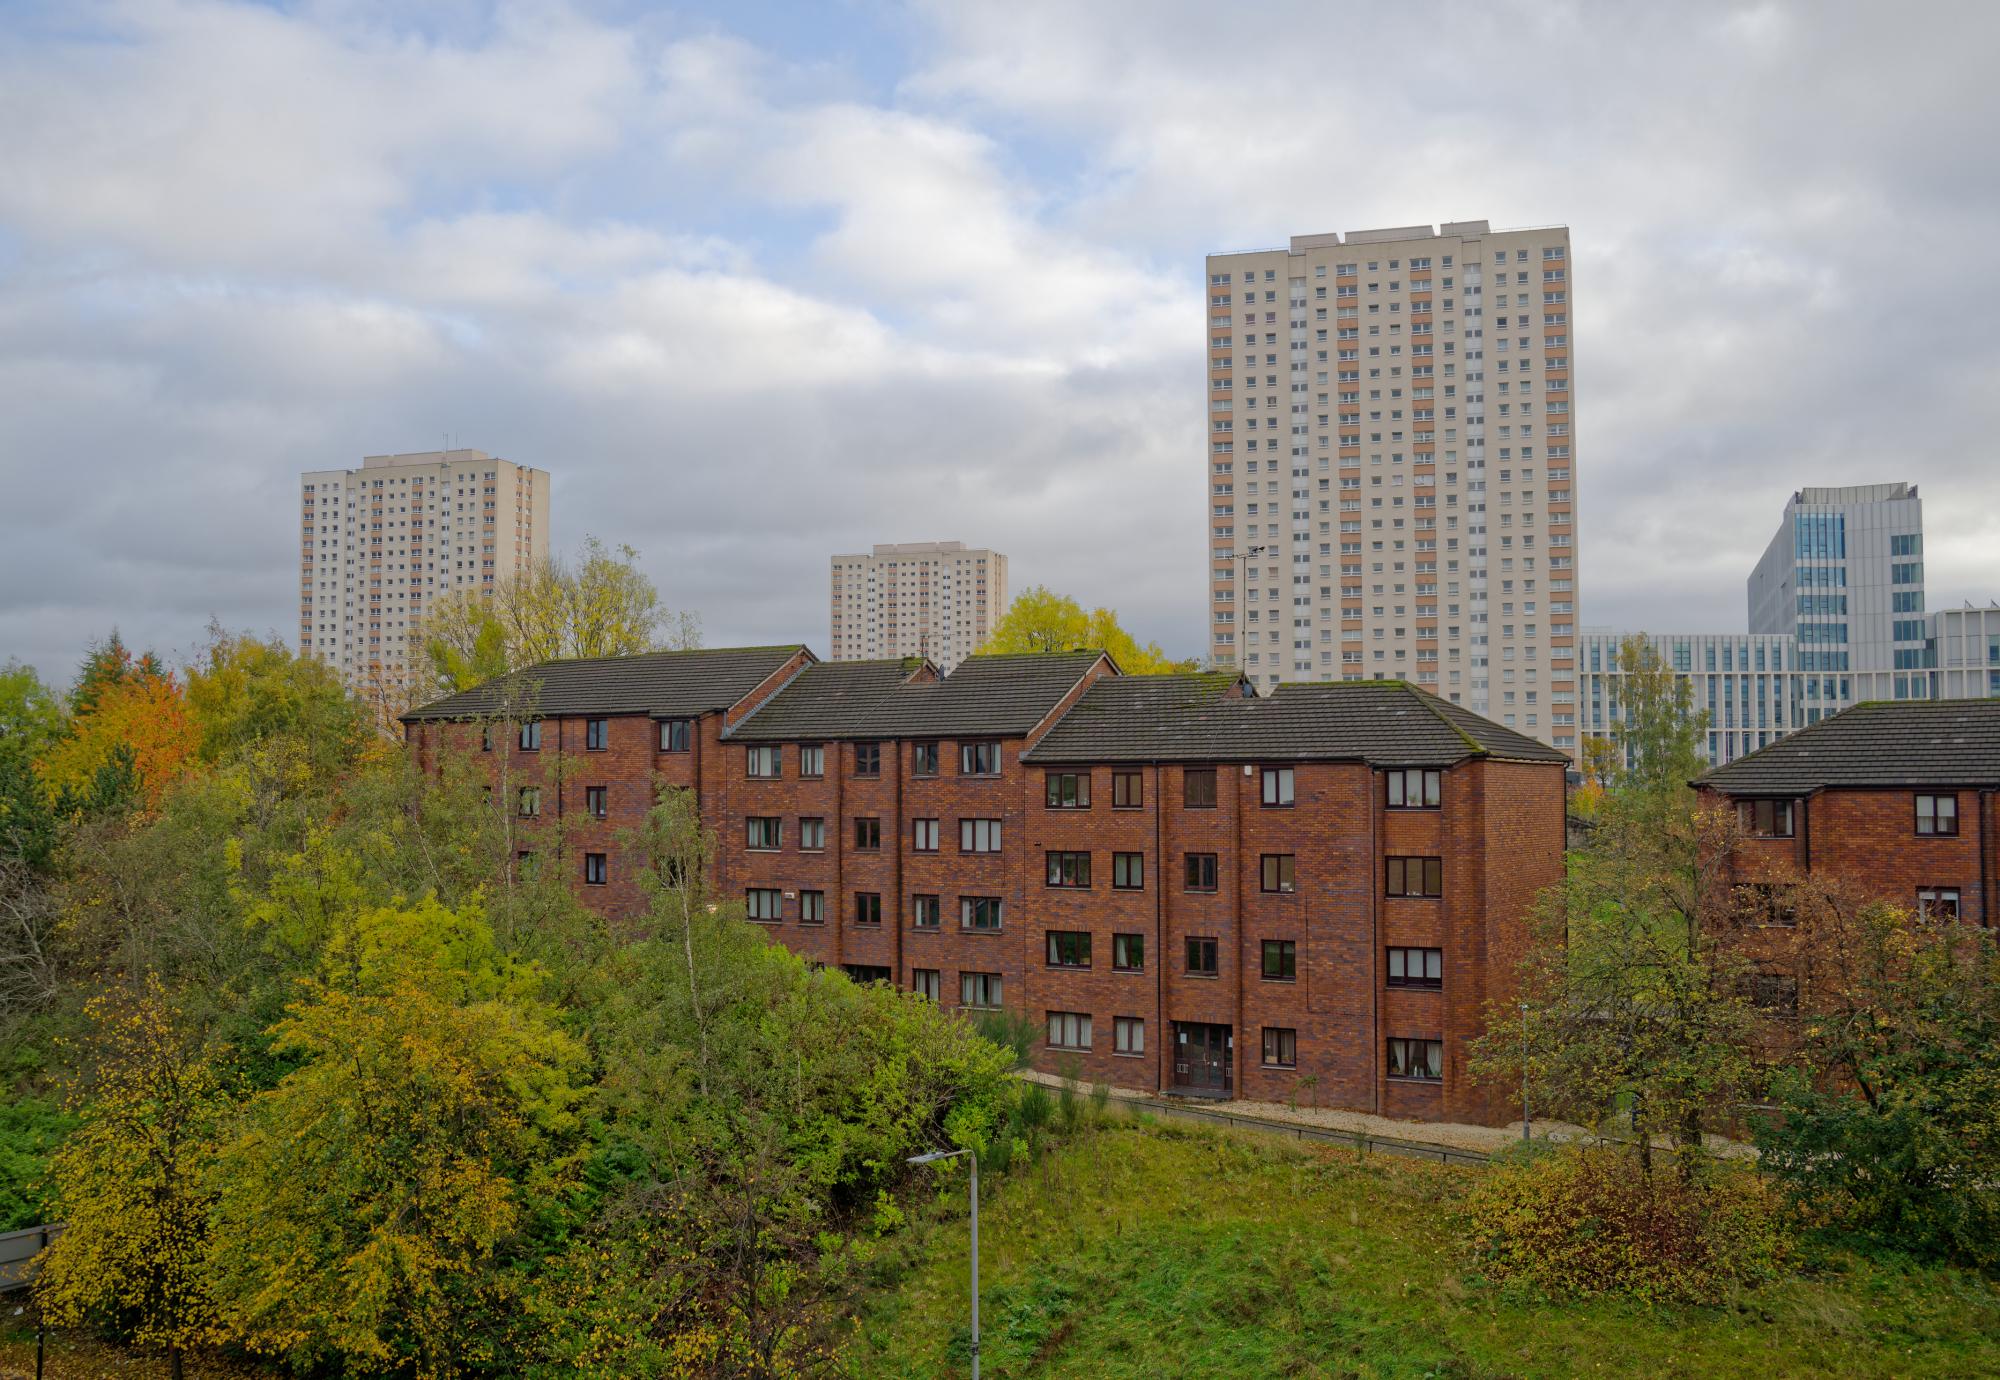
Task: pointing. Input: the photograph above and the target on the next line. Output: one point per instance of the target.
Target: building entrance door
(1203, 1059)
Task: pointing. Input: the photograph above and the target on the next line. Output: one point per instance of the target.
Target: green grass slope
(1148, 1250)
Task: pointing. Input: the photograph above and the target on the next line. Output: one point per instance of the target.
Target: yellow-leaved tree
(132, 1181)
(1040, 620)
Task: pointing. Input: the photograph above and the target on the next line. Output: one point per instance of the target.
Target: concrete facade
(933, 599)
(1390, 475)
(379, 544)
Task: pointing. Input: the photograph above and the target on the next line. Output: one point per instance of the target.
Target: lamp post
(934, 1157)
(1524, 1071)
(1243, 598)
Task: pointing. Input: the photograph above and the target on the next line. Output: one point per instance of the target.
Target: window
(1069, 869)
(1416, 877)
(924, 835)
(867, 759)
(1281, 1047)
(1128, 952)
(1128, 790)
(1776, 993)
(1201, 872)
(868, 834)
(812, 833)
(1278, 873)
(1069, 1030)
(1766, 819)
(812, 907)
(1128, 1035)
(596, 801)
(867, 907)
(978, 759)
(1068, 790)
(765, 761)
(1128, 871)
(486, 739)
(860, 973)
(1938, 903)
(1413, 789)
(1937, 814)
(530, 801)
(979, 836)
(1421, 1061)
(927, 983)
(764, 903)
(979, 912)
(1198, 788)
(1201, 958)
(596, 869)
(1069, 948)
(674, 735)
(596, 735)
(766, 832)
(1277, 787)
(1416, 967)
(527, 864)
(1281, 960)
(923, 759)
(979, 989)
(812, 759)
(531, 736)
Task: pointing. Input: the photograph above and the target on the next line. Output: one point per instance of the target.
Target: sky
(762, 283)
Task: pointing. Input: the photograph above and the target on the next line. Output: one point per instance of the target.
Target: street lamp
(934, 1157)
(1243, 598)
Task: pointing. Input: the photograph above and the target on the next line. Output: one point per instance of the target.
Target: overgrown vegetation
(1149, 1249)
(313, 1072)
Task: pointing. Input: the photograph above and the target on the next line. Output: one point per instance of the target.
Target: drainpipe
(839, 921)
(1236, 1027)
(1377, 879)
(896, 896)
(1160, 923)
(1985, 904)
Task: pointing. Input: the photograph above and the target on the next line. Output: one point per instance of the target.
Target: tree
(1635, 983)
(603, 605)
(1039, 620)
(366, 1206)
(31, 718)
(141, 722)
(1660, 730)
(109, 663)
(131, 1183)
(245, 692)
(1889, 1119)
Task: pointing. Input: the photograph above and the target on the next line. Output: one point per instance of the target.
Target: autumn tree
(367, 1204)
(132, 1181)
(139, 722)
(1040, 620)
(601, 604)
(246, 693)
(108, 663)
(1888, 1118)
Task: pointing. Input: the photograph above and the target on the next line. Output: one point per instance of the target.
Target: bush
(1592, 1221)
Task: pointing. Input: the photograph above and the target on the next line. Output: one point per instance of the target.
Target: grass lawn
(1152, 1250)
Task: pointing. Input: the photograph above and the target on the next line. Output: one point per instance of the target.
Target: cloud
(754, 306)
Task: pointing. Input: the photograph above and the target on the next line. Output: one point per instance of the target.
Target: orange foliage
(146, 713)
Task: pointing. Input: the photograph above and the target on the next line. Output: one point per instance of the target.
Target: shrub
(1592, 1221)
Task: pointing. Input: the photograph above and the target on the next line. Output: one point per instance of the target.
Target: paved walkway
(1441, 1140)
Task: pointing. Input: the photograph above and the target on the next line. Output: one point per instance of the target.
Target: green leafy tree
(246, 694)
(1040, 620)
(132, 1181)
(601, 604)
(31, 718)
(369, 1204)
(1660, 731)
(1889, 1118)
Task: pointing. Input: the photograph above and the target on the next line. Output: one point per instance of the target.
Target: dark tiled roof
(663, 684)
(1192, 718)
(1895, 743)
(1000, 696)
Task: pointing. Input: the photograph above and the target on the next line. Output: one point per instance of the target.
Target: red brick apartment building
(1894, 799)
(1185, 884)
